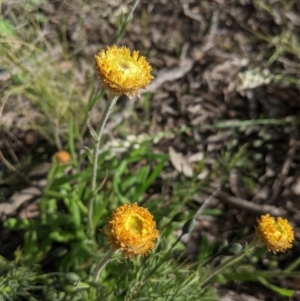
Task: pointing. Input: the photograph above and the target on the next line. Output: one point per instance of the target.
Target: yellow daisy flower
(121, 72)
(62, 157)
(131, 230)
(276, 234)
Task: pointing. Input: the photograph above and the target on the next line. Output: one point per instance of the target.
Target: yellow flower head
(132, 230)
(62, 157)
(276, 234)
(121, 72)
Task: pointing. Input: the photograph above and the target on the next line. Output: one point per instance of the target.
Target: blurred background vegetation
(219, 126)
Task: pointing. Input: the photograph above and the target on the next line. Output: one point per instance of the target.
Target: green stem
(127, 21)
(229, 262)
(221, 267)
(100, 266)
(97, 141)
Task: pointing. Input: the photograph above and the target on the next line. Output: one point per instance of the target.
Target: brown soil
(200, 52)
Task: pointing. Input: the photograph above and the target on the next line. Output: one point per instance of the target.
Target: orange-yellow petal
(276, 234)
(122, 73)
(132, 230)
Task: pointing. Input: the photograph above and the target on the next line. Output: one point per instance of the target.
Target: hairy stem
(229, 262)
(100, 266)
(127, 22)
(97, 140)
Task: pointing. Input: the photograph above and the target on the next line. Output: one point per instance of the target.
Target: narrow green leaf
(71, 142)
(151, 178)
(188, 226)
(281, 291)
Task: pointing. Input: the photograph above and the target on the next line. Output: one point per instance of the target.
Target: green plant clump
(98, 235)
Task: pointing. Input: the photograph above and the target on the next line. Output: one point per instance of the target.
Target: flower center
(126, 66)
(134, 224)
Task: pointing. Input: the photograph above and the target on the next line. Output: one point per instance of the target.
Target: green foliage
(6, 29)
(15, 279)
(59, 258)
(160, 277)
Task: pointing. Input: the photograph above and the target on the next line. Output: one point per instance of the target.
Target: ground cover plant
(189, 191)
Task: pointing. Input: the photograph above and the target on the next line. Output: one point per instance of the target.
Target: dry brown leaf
(180, 162)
